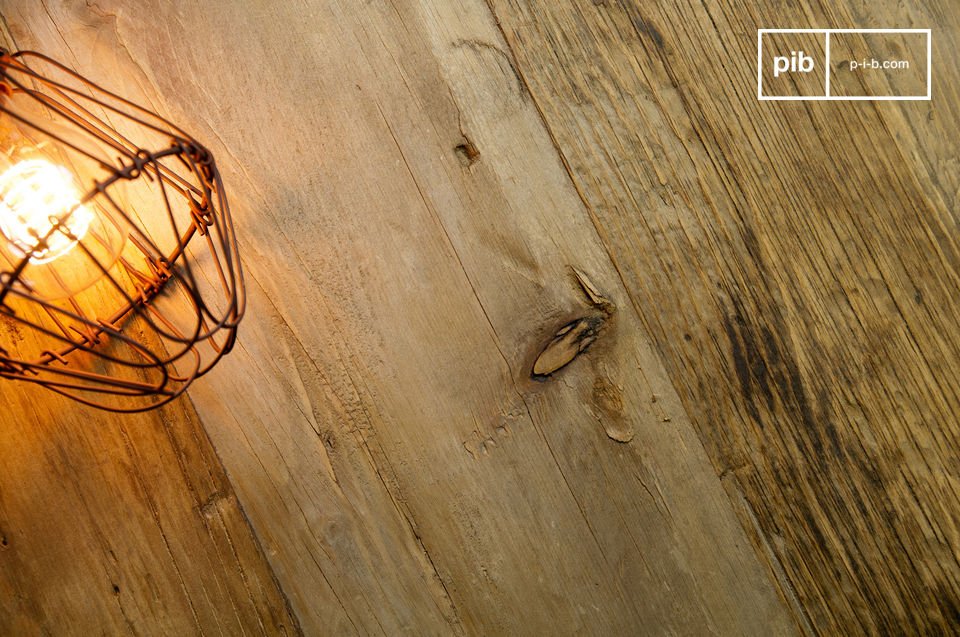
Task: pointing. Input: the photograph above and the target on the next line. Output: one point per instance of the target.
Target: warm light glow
(37, 196)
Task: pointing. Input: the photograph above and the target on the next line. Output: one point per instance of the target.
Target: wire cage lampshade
(120, 281)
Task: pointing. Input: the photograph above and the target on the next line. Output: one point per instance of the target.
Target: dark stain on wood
(646, 29)
(767, 371)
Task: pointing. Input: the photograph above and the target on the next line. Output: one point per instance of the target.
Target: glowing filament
(40, 211)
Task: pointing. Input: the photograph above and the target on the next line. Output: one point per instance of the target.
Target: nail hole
(467, 153)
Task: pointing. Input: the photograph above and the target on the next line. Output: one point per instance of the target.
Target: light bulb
(41, 215)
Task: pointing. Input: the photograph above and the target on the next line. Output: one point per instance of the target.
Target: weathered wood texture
(111, 527)
(440, 205)
(796, 266)
(402, 469)
(121, 525)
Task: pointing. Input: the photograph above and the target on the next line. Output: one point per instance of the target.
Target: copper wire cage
(134, 289)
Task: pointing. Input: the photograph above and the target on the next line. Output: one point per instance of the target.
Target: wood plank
(796, 267)
(412, 244)
(113, 525)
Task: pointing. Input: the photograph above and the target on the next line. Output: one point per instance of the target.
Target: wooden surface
(802, 262)
(121, 525)
(553, 329)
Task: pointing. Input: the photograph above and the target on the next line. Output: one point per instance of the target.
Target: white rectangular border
(840, 98)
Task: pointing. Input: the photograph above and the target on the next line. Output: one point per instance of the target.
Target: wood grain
(413, 246)
(553, 329)
(796, 267)
(121, 525)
